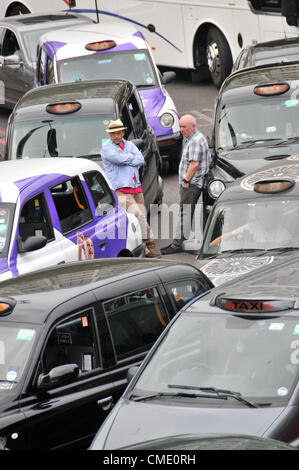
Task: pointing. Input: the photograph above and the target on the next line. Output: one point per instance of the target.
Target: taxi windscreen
(265, 224)
(16, 343)
(133, 65)
(205, 354)
(60, 137)
(272, 119)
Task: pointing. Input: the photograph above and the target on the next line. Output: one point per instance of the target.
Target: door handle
(102, 244)
(105, 403)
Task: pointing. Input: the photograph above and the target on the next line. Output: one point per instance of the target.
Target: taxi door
(67, 414)
(35, 221)
(88, 220)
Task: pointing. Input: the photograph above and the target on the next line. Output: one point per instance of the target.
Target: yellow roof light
(63, 108)
(273, 89)
(273, 186)
(100, 45)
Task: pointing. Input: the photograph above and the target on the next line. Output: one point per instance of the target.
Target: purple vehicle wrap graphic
(51, 47)
(153, 100)
(102, 237)
(3, 265)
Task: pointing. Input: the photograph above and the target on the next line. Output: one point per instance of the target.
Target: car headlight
(167, 120)
(215, 188)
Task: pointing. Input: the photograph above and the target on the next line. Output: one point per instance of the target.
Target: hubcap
(213, 58)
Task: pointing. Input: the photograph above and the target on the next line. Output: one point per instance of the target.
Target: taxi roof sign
(6, 307)
(273, 186)
(271, 89)
(63, 108)
(240, 305)
(100, 45)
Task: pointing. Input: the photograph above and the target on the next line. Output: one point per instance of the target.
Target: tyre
(218, 56)
(18, 9)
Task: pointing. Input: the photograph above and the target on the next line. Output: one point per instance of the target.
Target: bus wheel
(219, 56)
(17, 9)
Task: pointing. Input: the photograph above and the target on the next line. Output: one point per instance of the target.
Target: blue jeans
(188, 200)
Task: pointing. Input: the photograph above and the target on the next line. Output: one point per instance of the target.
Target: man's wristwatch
(186, 181)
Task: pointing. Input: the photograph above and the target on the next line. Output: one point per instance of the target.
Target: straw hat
(115, 126)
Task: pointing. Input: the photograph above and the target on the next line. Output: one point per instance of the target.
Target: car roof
(37, 293)
(71, 42)
(18, 175)
(244, 80)
(275, 44)
(243, 188)
(32, 21)
(90, 91)
(278, 281)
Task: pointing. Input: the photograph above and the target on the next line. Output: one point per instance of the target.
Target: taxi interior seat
(59, 354)
(69, 213)
(32, 221)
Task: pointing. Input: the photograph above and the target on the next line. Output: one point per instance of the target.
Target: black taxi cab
(253, 222)
(256, 121)
(70, 120)
(227, 364)
(68, 336)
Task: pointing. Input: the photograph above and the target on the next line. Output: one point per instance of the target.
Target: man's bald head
(187, 125)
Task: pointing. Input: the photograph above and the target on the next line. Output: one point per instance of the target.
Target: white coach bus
(203, 36)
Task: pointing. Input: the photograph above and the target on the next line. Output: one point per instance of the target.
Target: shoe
(150, 244)
(171, 249)
(151, 254)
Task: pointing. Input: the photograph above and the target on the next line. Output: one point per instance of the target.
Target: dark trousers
(188, 200)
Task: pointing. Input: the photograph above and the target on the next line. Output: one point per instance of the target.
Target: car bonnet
(132, 422)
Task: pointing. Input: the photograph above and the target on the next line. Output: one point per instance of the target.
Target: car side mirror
(31, 243)
(139, 143)
(168, 77)
(290, 11)
(131, 372)
(58, 376)
(14, 59)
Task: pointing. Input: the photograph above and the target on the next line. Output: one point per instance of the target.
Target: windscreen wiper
(241, 250)
(287, 141)
(164, 394)
(220, 393)
(283, 249)
(145, 85)
(205, 392)
(250, 143)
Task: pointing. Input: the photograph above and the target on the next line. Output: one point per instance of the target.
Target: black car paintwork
(69, 415)
(230, 164)
(225, 266)
(133, 422)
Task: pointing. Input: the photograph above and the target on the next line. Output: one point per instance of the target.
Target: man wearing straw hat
(122, 159)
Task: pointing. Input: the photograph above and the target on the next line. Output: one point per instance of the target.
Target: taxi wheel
(17, 9)
(218, 56)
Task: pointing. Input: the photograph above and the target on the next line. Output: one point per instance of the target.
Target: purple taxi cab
(114, 51)
(55, 211)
